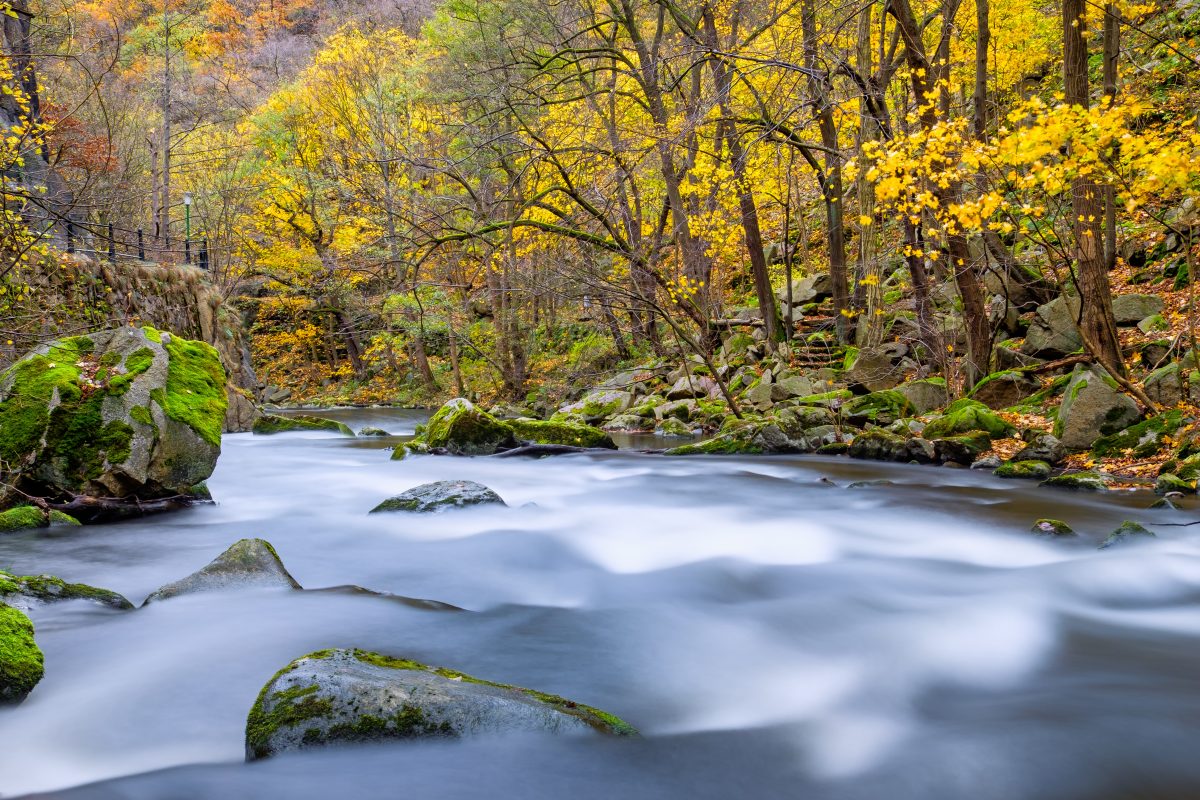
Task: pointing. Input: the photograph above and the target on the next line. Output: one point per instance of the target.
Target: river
(772, 633)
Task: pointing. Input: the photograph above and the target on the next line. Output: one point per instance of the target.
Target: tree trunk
(983, 37)
(1112, 52)
(1097, 326)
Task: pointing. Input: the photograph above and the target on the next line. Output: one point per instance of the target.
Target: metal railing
(111, 242)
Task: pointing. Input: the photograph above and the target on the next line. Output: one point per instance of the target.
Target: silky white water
(770, 633)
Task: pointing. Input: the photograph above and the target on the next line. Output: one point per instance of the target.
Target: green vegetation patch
(1038, 470)
(1143, 439)
(22, 518)
(966, 415)
(21, 662)
(566, 433)
(195, 392)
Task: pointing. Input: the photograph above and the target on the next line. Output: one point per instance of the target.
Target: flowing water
(771, 633)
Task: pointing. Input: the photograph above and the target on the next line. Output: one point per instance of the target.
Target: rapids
(771, 635)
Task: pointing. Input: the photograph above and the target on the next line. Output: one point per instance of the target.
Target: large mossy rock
(346, 696)
(1175, 383)
(1079, 482)
(440, 496)
(123, 414)
(925, 395)
(22, 518)
(964, 416)
(26, 591)
(277, 423)
(742, 437)
(1092, 407)
(1128, 533)
(247, 564)
(460, 428)
(1005, 389)
(878, 445)
(20, 658)
(568, 433)
(873, 370)
(1142, 440)
(880, 408)
(598, 406)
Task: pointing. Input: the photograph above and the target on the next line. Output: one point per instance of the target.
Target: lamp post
(187, 227)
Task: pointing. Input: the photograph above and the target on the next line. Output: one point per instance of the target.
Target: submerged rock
(1051, 527)
(129, 415)
(345, 696)
(1127, 533)
(371, 431)
(20, 657)
(24, 591)
(1079, 482)
(269, 424)
(1038, 470)
(247, 564)
(439, 496)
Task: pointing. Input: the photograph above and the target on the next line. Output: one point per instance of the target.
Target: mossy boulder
(835, 399)
(372, 431)
(741, 437)
(25, 591)
(346, 696)
(24, 518)
(1177, 382)
(1168, 483)
(673, 427)
(123, 414)
(1079, 482)
(878, 445)
(1051, 527)
(247, 564)
(20, 658)
(597, 406)
(1004, 389)
(1042, 447)
(1144, 439)
(440, 496)
(965, 415)
(268, 424)
(1092, 407)
(881, 408)
(925, 395)
(460, 428)
(568, 433)
(1128, 533)
(1037, 470)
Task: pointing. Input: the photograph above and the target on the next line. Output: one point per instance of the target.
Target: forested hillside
(514, 200)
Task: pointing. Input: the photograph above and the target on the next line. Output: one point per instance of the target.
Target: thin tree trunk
(1112, 52)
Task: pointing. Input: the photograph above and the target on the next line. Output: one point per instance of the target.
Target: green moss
(882, 408)
(837, 397)
(560, 433)
(195, 387)
(1168, 483)
(61, 518)
(47, 588)
(737, 442)
(1079, 482)
(275, 423)
(1129, 531)
(22, 518)
(966, 415)
(291, 707)
(1143, 439)
(461, 428)
(21, 663)
(35, 380)
(1038, 470)
(142, 414)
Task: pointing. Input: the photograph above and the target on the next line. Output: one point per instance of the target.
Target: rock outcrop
(247, 564)
(345, 696)
(129, 415)
(27, 591)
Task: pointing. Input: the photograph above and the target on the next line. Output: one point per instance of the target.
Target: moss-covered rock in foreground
(126, 413)
(246, 564)
(964, 416)
(460, 428)
(1051, 527)
(23, 591)
(20, 658)
(344, 696)
(277, 423)
(1128, 532)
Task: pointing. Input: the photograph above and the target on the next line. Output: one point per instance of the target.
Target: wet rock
(963, 449)
(880, 408)
(247, 564)
(129, 415)
(1092, 407)
(870, 484)
(598, 406)
(20, 658)
(1168, 503)
(1051, 527)
(460, 428)
(27, 591)
(987, 462)
(370, 431)
(1037, 470)
(1173, 484)
(24, 518)
(1128, 532)
(269, 424)
(344, 696)
(1044, 447)
(1079, 482)
(552, 432)
(879, 445)
(628, 422)
(439, 496)
(673, 427)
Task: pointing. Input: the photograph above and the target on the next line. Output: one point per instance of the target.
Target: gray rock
(127, 414)
(796, 386)
(439, 496)
(1053, 332)
(599, 405)
(812, 289)
(247, 564)
(987, 462)
(28, 591)
(694, 386)
(344, 696)
(1044, 447)
(874, 370)
(1128, 533)
(1166, 385)
(1005, 389)
(370, 431)
(628, 422)
(879, 445)
(1129, 309)
(925, 395)
(1091, 408)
